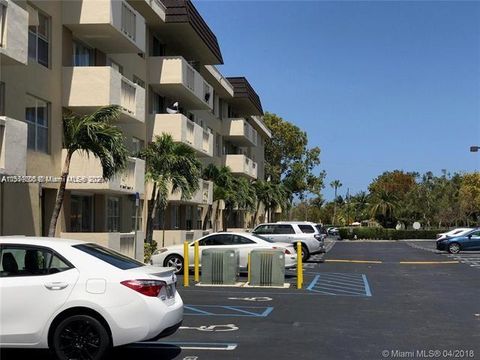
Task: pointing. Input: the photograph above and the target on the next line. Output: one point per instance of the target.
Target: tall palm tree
(92, 134)
(271, 195)
(223, 185)
(335, 184)
(169, 165)
(384, 203)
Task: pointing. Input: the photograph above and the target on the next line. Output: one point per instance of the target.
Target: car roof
(36, 240)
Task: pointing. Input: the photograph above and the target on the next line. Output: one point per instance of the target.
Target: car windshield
(109, 256)
(262, 238)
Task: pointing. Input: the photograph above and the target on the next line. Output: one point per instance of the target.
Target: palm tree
(169, 165)
(384, 203)
(92, 134)
(335, 184)
(271, 195)
(223, 185)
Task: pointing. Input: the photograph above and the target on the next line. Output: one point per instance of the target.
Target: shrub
(148, 250)
(386, 234)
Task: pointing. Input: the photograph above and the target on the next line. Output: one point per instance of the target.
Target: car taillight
(286, 250)
(145, 287)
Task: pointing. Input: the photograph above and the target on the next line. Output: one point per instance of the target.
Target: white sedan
(172, 256)
(79, 299)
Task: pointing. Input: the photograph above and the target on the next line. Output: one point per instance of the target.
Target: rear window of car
(109, 256)
(307, 229)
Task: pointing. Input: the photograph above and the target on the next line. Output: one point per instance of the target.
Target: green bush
(386, 234)
(148, 250)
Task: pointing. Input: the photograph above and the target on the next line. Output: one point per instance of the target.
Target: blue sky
(378, 85)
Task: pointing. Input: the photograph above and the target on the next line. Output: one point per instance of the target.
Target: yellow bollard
(248, 269)
(186, 264)
(299, 266)
(196, 261)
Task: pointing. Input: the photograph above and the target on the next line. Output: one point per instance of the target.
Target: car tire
(80, 337)
(454, 248)
(175, 261)
(305, 253)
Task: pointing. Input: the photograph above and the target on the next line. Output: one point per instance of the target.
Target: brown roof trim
(183, 11)
(243, 89)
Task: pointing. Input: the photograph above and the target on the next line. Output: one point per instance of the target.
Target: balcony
(13, 34)
(176, 78)
(185, 131)
(153, 11)
(122, 242)
(241, 165)
(204, 195)
(86, 174)
(239, 131)
(109, 25)
(86, 88)
(13, 146)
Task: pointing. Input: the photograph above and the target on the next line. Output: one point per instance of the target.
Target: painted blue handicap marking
(219, 310)
(340, 284)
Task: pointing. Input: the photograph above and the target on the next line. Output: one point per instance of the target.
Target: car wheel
(80, 337)
(174, 261)
(305, 253)
(454, 248)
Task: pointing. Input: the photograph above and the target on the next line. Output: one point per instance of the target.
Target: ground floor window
(137, 220)
(113, 214)
(81, 213)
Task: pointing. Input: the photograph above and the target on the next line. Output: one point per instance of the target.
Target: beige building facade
(143, 55)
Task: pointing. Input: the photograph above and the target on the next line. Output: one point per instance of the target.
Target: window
(109, 256)
(3, 15)
(241, 240)
(38, 40)
(188, 217)
(19, 260)
(158, 49)
(113, 214)
(2, 98)
(81, 213)
(283, 229)
(216, 240)
(82, 55)
(264, 229)
(138, 81)
(36, 115)
(157, 103)
(306, 229)
(115, 65)
(137, 214)
(137, 145)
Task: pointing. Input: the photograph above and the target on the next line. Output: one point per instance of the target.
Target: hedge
(386, 234)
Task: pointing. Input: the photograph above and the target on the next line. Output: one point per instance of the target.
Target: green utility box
(267, 267)
(219, 267)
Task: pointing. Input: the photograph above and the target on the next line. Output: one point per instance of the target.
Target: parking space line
(185, 345)
(367, 286)
(428, 262)
(234, 311)
(334, 284)
(354, 261)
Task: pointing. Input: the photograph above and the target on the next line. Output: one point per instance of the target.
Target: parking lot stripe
(355, 261)
(185, 345)
(220, 310)
(314, 281)
(428, 262)
(367, 286)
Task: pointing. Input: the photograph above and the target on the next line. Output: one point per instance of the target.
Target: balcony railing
(242, 165)
(176, 78)
(121, 27)
(185, 131)
(13, 146)
(86, 88)
(240, 132)
(13, 33)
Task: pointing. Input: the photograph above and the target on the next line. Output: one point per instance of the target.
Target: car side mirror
(470, 236)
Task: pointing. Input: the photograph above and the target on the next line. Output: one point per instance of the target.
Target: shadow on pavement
(137, 351)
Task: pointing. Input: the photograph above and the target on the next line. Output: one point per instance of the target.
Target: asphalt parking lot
(364, 300)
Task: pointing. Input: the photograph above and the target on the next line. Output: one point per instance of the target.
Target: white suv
(293, 231)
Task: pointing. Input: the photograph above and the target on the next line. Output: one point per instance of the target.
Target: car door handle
(56, 285)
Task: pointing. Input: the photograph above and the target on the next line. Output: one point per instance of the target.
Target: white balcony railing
(13, 33)
(13, 146)
(242, 165)
(185, 131)
(241, 132)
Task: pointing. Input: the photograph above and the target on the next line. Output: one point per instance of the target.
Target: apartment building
(143, 55)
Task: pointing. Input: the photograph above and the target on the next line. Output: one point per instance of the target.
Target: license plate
(170, 291)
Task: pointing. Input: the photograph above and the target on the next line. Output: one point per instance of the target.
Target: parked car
(322, 231)
(453, 233)
(292, 232)
(333, 231)
(172, 256)
(469, 241)
(80, 299)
